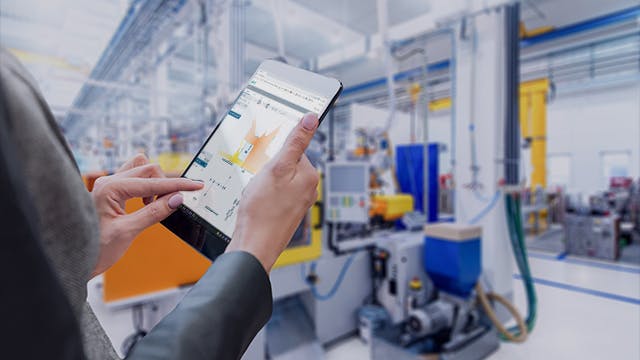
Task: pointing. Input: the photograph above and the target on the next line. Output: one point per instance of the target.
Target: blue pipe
(117, 36)
(124, 25)
(602, 21)
(179, 5)
(334, 288)
(606, 20)
(487, 209)
(402, 43)
(101, 68)
(403, 75)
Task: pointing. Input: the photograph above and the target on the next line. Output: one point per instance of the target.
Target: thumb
(154, 212)
(299, 139)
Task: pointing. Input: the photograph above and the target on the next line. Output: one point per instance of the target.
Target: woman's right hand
(136, 178)
(277, 198)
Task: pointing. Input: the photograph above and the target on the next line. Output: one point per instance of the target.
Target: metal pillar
(226, 24)
(158, 108)
(483, 40)
(238, 33)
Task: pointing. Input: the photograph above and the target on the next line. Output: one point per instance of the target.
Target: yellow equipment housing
(173, 164)
(391, 207)
(533, 126)
(308, 250)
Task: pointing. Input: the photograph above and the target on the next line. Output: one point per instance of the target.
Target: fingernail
(310, 121)
(198, 181)
(175, 201)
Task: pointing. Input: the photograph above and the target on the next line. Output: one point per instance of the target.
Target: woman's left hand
(136, 178)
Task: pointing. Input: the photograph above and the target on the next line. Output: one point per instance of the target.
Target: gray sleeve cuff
(218, 318)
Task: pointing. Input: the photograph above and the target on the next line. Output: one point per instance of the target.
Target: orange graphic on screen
(251, 155)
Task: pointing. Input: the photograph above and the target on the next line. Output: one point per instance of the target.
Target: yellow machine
(533, 126)
(156, 261)
(533, 123)
(173, 164)
(527, 33)
(306, 244)
(391, 207)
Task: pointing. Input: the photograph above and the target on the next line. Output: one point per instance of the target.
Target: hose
(523, 328)
(382, 11)
(336, 285)
(517, 239)
(519, 336)
(487, 209)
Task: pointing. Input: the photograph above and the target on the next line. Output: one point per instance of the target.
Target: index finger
(128, 188)
(299, 139)
(138, 160)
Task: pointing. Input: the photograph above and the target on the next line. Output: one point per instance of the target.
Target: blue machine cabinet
(410, 175)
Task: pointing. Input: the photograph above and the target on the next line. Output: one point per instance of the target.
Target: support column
(158, 110)
(226, 22)
(482, 75)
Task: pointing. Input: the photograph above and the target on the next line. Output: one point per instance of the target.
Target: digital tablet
(250, 134)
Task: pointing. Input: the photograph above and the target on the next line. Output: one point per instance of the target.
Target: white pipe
(276, 12)
(382, 8)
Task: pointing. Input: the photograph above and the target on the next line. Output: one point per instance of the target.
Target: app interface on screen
(251, 133)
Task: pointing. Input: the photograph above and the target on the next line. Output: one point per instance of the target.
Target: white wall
(585, 124)
(581, 125)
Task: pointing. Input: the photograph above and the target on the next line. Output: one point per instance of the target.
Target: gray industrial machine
(592, 230)
(634, 212)
(307, 315)
(401, 255)
(412, 318)
(593, 235)
(604, 225)
(623, 198)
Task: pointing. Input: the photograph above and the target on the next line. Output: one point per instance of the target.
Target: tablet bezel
(192, 228)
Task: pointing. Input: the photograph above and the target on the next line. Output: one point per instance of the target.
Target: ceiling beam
(371, 45)
(258, 52)
(293, 13)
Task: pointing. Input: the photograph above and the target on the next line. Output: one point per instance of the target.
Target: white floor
(586, 310)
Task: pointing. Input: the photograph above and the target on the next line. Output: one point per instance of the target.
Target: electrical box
(347, 192)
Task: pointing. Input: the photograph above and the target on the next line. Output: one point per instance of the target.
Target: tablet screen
(251, 133)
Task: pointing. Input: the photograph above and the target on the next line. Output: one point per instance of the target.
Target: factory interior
(479, 193)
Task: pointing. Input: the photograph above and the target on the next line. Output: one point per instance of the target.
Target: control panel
(347, 192)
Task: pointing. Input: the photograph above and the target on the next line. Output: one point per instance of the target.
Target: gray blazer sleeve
(218, 318)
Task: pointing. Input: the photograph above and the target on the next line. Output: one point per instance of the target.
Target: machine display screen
(349, 178)
(251, 133)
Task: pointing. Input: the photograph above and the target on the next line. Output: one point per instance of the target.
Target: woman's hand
(276, 200)
(136, 178)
